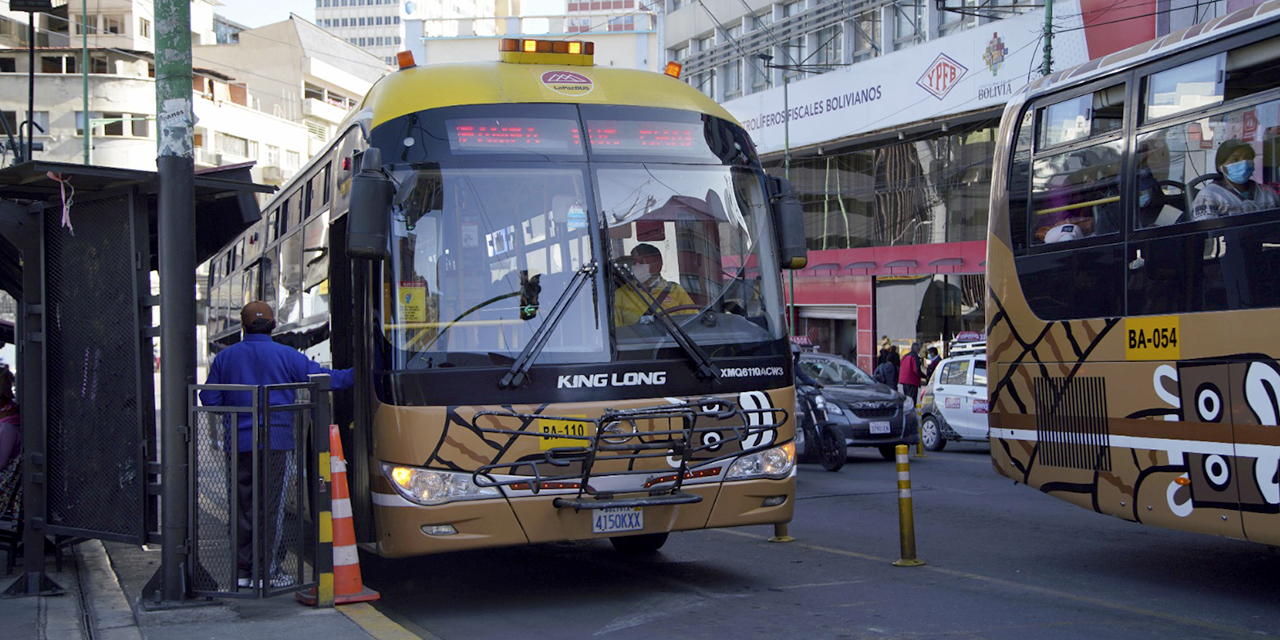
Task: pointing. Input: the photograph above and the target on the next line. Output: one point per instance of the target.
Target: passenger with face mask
(1234, 192)
(630, 306)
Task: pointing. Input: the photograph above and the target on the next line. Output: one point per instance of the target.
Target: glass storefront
(926, 190)
(929, 309)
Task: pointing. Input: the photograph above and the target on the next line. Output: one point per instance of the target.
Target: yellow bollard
(906, 522)
(780, 533)
(919, 440)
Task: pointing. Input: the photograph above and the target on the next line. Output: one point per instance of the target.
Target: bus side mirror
(370, 215)
(788, 218)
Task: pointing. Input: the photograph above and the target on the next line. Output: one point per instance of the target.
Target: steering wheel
(1180, 203)
(686, 308)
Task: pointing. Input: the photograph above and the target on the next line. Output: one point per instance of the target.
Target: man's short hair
(645, 249)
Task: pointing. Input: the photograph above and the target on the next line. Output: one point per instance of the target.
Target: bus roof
(1165, 45)
(454, 84)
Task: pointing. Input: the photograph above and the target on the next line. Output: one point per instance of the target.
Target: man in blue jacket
(259, 360)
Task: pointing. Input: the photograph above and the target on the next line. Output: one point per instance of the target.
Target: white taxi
(953, 405)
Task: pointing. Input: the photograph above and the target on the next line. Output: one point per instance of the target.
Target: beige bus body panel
(443, 438)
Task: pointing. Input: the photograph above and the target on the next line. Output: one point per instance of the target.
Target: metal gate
(254, 489)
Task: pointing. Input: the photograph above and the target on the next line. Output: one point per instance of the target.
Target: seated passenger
(1234, 191)
(629, 305)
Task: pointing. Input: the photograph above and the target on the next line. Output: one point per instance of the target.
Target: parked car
(863, 411)
(953, 405)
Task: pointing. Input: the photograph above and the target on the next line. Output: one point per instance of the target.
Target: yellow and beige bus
(1134, 270)
(559, 286)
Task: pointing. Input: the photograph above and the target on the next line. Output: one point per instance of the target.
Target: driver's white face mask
(641, 272)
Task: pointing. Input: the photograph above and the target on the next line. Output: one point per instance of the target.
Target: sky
(255, 13)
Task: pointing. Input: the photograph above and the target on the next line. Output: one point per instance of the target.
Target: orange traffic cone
(347, 584)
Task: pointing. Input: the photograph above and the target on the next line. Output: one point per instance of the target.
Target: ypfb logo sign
(941, 76)
(568, 83)
(995, 53)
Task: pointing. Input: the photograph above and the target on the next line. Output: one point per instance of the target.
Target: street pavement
(1004, 562)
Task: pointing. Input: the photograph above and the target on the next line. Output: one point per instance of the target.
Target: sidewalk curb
(108, 611)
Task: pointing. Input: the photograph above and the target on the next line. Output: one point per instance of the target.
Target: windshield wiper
(706, 368)
(519, 371)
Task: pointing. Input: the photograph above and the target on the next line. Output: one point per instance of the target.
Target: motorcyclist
(801, 376)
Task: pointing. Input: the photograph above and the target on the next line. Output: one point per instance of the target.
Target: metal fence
(255, 487)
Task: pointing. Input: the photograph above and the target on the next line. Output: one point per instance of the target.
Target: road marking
(1106, 604)
(378, 625)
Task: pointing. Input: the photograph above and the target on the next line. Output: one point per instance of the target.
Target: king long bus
(1134, 267)
(481, 243)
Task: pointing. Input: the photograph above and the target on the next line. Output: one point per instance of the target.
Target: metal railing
(255, 487)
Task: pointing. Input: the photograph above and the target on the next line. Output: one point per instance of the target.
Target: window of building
(292, 160)
(41, 119)
(792, 8)
(57, 64)
(954, 21)
(10, 121)
(113, 24)
(144, 27)
(114, 124)
(762, 21)
(7, 65)
(908, 24)
(140, 126)
(99, 64)
(830, 45)
(866, 35)
(707, 43)
(733, 79)
(232, 145)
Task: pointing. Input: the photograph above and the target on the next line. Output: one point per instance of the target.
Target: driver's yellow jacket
(629, 305)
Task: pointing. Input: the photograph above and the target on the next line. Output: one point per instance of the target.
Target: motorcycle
(816, 437)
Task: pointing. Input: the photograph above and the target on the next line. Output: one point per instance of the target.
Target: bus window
(315, 255)
(273, 231)
(1190, 86)
(1020, 181)
(326, 187)
(282, 222)
(271, 276)
(1082, 116)
(290, 290)
(1076, 194)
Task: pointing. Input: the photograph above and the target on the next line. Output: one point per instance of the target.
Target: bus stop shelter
(77, 248)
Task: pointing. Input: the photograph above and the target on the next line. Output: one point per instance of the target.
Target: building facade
(884, 116)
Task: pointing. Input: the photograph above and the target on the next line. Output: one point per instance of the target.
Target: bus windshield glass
(692, 236)
(477, 257)
(493, 216)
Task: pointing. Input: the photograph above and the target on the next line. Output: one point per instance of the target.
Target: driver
(629, 305)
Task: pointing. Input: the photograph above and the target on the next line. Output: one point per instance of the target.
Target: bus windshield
(485, 240)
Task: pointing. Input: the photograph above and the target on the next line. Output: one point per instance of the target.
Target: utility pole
(1048, 39)
(176, 240)
(84, 75)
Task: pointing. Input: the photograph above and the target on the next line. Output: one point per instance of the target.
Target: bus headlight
(431, 487)
(770, 463)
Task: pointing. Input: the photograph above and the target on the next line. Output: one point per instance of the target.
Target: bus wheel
(931, 434)
(642, 544)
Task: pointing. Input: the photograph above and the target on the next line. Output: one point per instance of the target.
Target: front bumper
(501, 522)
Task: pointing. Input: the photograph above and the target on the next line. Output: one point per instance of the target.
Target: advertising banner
(973, 69)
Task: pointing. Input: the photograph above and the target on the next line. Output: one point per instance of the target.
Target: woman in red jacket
(909, 374)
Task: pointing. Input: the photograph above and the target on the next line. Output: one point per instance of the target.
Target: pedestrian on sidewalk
(910, 374)
(258, 360)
